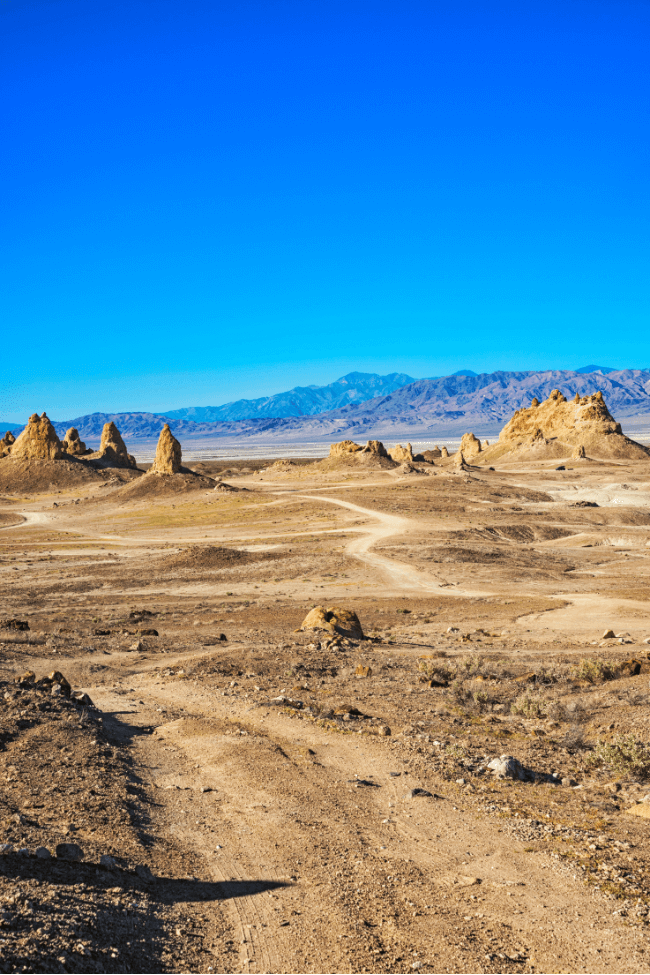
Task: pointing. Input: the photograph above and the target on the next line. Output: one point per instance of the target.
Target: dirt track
(305, 824)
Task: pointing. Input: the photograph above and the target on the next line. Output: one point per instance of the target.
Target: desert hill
(559, 428)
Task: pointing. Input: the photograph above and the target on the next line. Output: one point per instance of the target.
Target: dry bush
(594, 671)
(625, 754)
(437, 669)
(530, 705)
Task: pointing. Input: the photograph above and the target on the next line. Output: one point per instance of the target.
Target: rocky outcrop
(334, 620)
(470, 446)
(112, 449)
(38, 441)
(558, 427)
(444, 452)
(347, 452)
(401, 455)
(7, 443)
(428, 456)
(168, 454)
(74, 445)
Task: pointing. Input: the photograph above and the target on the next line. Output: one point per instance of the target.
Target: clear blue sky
(205, 200)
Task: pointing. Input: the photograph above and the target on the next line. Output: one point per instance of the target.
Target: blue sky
(209, 200)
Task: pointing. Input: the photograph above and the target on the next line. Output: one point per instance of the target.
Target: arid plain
(275, 799)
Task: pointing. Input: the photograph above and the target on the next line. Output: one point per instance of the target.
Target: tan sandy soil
(266, 777)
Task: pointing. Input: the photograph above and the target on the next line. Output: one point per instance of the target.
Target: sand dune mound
(152, 485)
(112, 450)
(26, 475)
(213, 557)
(347, 453)
(559, 428)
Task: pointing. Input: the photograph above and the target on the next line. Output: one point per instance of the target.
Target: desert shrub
(438, 669)
(594, 671)
(556, 711)
(530, 705)
(624, 754)
(471, 665)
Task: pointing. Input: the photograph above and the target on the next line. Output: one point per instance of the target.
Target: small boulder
(42, 853)
(507, 767)
(69, 851)
(608, 635)
(335, 620)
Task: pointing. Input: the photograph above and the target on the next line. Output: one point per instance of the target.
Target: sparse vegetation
(594, 671)
(626, 754)
(530, 705)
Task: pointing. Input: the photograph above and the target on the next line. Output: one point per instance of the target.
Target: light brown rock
(402, 455)
(7, 443)
(444, 452)
(470, 446)
(73, 444)
(558, 427)
(334, 620)
(38, 441)
(112, 449)
(168, 454)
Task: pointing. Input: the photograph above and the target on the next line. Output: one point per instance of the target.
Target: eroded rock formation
(402, 455)
(7, 443)
(73, 444)
(558, 427)
(112, 449)
(38, 441)
(168, 454)
(470, 446)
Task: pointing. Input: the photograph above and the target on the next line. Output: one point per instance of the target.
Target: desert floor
(259, 792)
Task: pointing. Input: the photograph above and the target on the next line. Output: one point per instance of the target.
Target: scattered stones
(6, 848)
(13, 624)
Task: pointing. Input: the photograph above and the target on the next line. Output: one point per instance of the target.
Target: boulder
(112, 449)
(579, 453)
(38, 441)
(168, 454)
(347, 452)
(334, 620)
(73, 444)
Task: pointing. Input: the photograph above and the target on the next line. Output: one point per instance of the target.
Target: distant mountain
(465, 372)
(422, 409)
(589, 369)
(356, 387)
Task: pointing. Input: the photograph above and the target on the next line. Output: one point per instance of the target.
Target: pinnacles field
(386, 711)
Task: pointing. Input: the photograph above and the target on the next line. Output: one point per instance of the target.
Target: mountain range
(417, 409)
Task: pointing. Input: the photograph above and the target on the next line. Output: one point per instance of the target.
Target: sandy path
(400, 575)
(311, 857)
